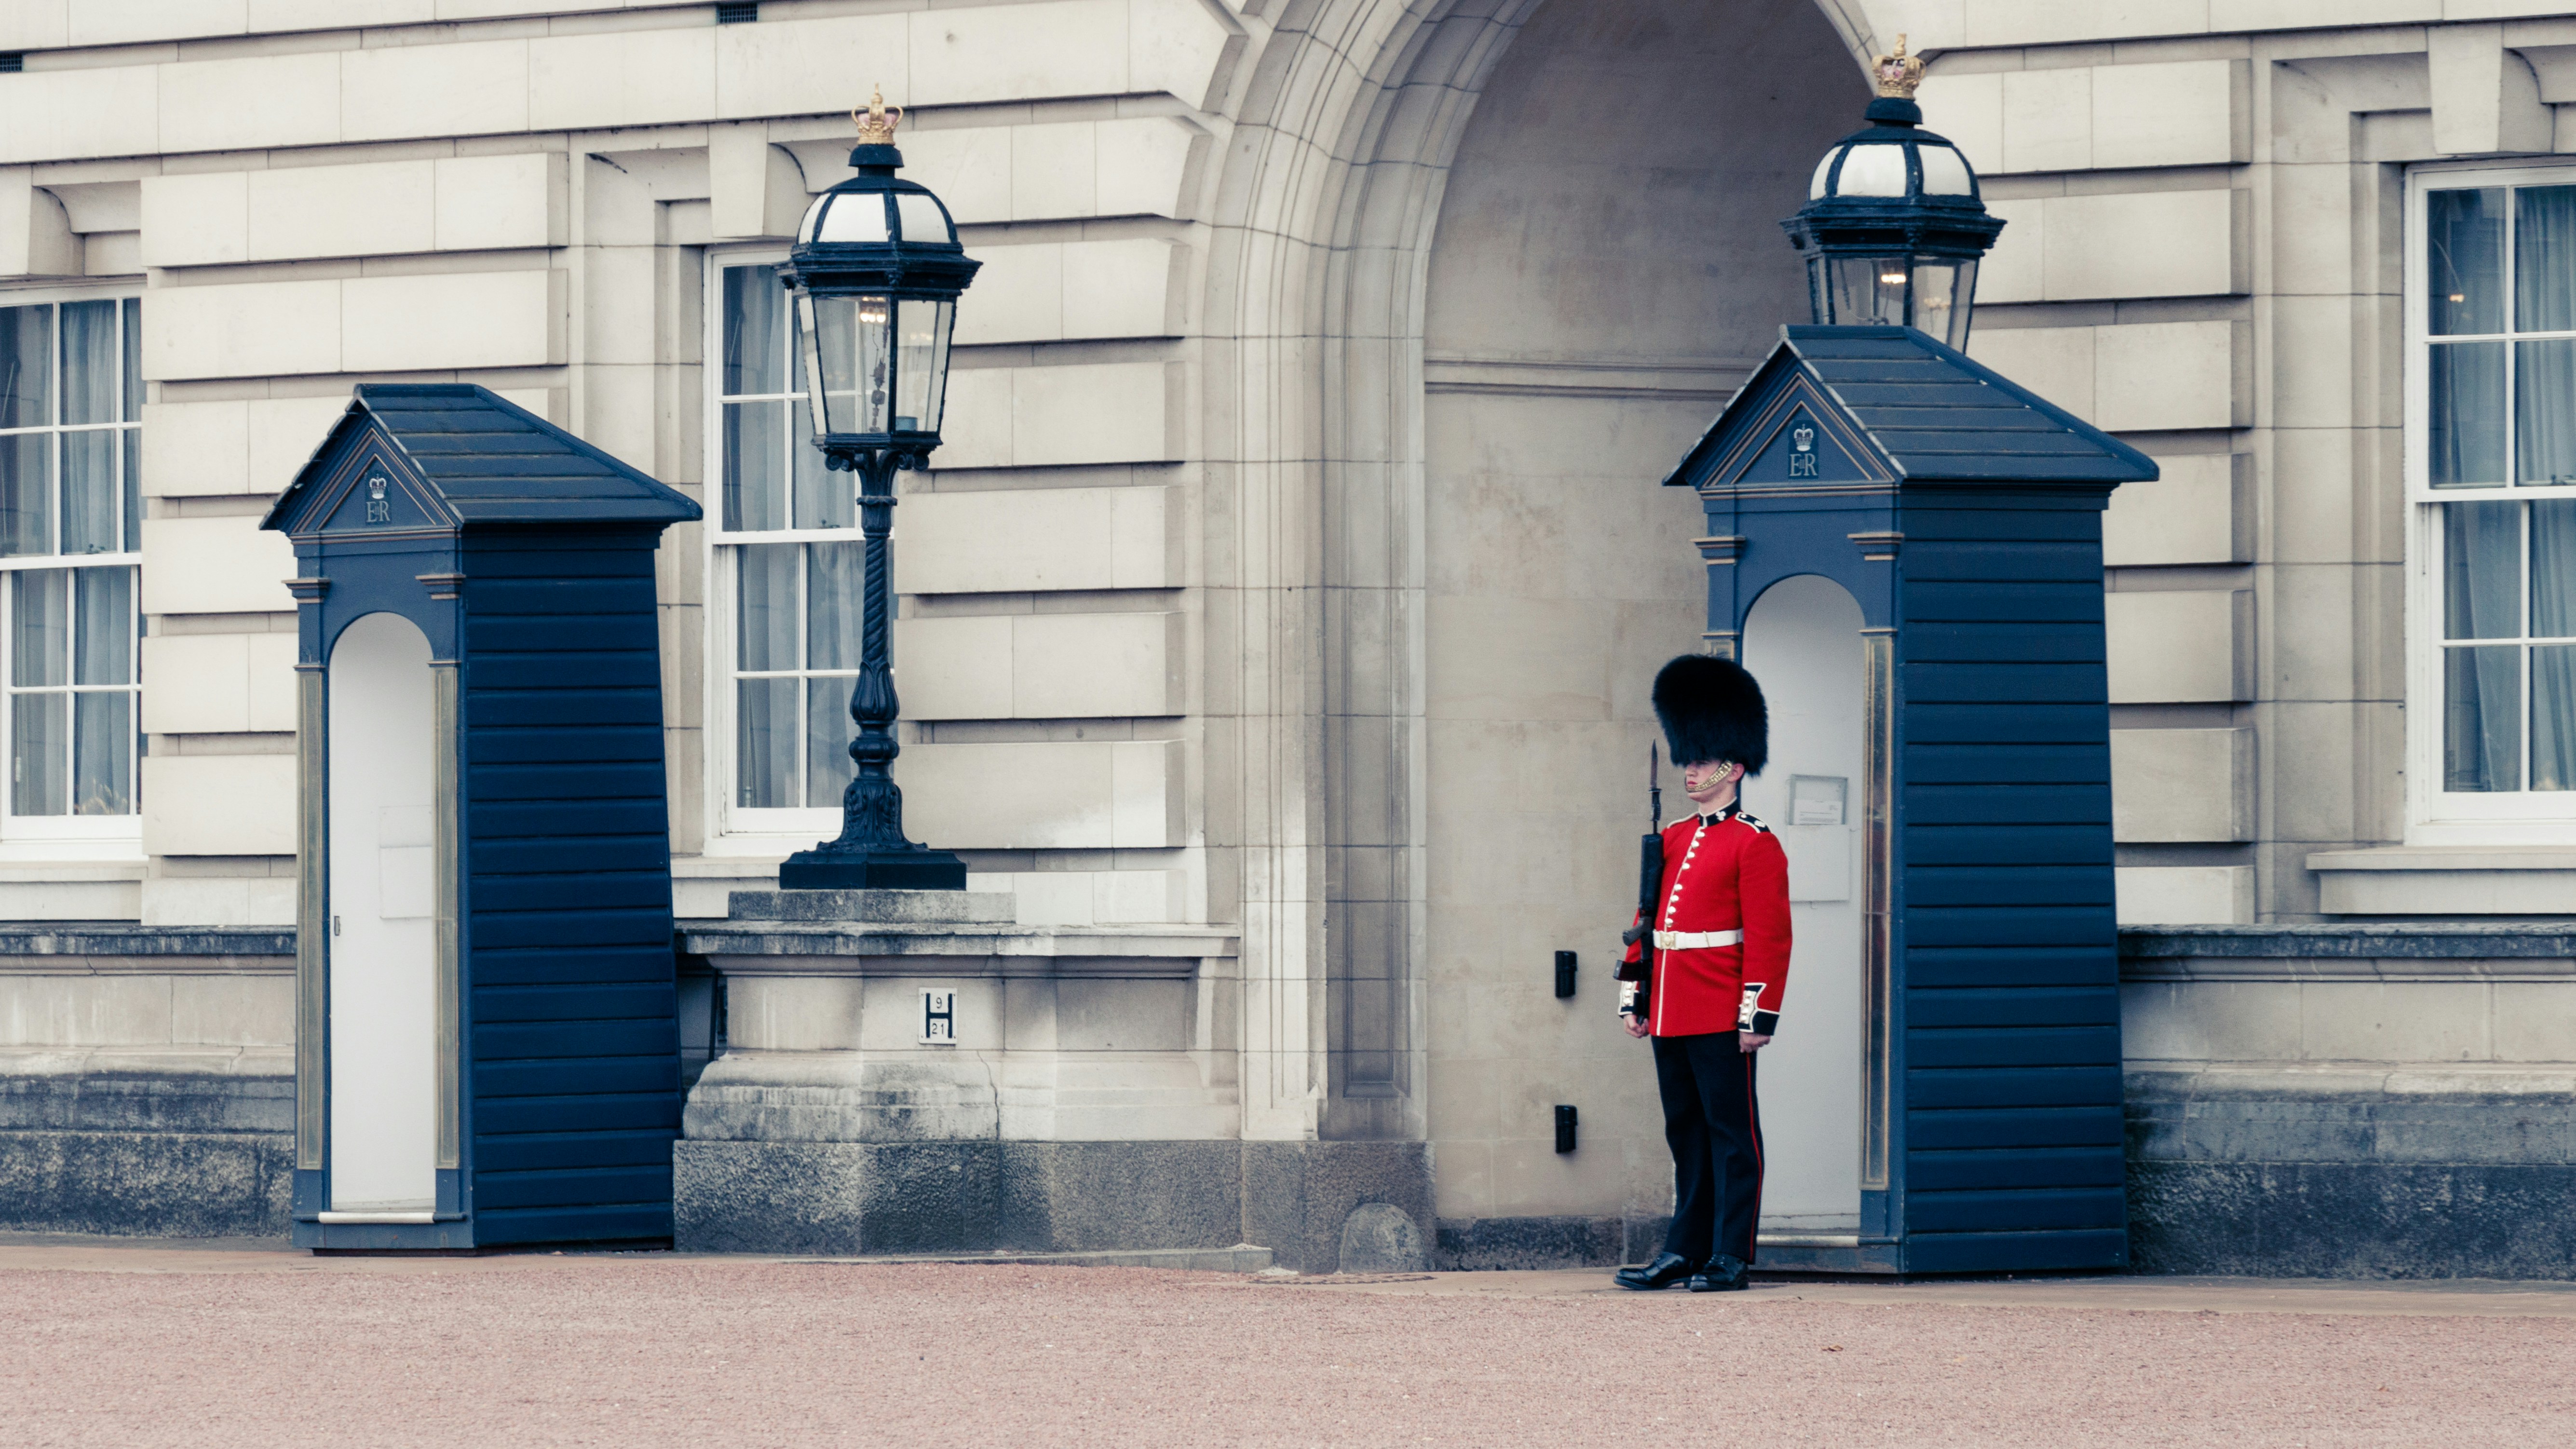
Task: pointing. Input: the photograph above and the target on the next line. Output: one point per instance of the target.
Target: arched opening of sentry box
(383, 1134)
(1802, 640)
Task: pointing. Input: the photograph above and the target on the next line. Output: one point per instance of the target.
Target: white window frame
(733, 829)
(81, 837)
(2435, 816)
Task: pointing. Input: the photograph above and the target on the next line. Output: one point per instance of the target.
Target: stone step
(1241, 1258)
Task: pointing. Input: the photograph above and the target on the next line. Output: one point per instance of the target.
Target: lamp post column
(872, 851)
(872, 807)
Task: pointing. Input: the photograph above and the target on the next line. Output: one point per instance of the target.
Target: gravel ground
(643, 1351)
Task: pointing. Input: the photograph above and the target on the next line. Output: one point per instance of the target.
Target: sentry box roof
(1891, 405)
(484, 460)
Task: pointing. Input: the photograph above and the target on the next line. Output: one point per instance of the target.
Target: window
(788, 564)
(71, 401)
(2491, 473)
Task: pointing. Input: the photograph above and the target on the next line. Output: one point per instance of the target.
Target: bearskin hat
(1712, 710)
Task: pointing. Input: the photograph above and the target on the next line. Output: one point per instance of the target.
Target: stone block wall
(2386, 1101)
(147, 1081)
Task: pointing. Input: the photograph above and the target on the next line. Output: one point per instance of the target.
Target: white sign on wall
(938, 1016)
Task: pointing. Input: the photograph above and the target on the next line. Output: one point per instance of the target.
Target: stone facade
(1293, 566)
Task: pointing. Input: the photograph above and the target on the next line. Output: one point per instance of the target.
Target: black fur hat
(1712, 710)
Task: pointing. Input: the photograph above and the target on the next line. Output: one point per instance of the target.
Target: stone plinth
(1089, 1100)
(846, 908)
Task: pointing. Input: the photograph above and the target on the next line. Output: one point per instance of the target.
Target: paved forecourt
(239, 1343)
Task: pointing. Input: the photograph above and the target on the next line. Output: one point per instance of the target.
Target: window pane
(103, 753)
(835, 574)
(91, 375)
(1869, 290)
(27, 494)
(766, 589)
(129, 447)
(922, 336)
(133, 410)
(2544, 396)
(851, 335)
(921, 219)
(828, 731)
(765, 740)
(2482, 718)
(2553, 717)
(755, 324)
(1943, 294)
(26, 366)
(2481, 571)
(2464, 260)
(36, 728)
(824, 499)
(2553, 569)
(91, 486)
(103, 603)
(39, 632)
(2467, 433)
(853, 218)
(2544, 259)
(755, 490)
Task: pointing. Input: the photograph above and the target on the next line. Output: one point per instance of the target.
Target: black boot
(1724, 1273)
(1667, 1270)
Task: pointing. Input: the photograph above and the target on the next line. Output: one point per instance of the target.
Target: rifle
(1650, 875)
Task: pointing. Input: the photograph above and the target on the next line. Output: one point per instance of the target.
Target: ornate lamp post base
(917, 869)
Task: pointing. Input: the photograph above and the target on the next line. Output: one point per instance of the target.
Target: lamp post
(876, 271)
(1893, 226)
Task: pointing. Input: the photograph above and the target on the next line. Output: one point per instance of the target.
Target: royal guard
(1704, 973)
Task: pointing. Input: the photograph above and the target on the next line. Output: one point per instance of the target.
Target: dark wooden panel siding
(573, 1054)
(2012, 1038)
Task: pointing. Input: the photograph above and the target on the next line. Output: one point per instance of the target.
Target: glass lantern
(876, 270)
(1932, 294)
(876, 364)
(1894, 226)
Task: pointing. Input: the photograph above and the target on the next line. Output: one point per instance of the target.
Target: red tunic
(1722, 873)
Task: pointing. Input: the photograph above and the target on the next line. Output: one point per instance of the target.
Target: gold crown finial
(1898, 74)
(876, 128)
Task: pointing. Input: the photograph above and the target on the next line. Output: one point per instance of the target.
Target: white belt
(1696, 940)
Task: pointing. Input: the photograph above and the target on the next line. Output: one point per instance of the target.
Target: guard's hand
(1636, 1024)
(1746, 1041)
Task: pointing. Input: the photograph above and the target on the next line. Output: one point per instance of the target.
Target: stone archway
(1318, 648)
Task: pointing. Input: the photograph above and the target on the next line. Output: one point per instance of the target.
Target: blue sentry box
(1963, 514)
(486, 1035)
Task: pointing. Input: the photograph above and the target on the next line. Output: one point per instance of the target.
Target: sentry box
(1905, 548)
(486, 1043)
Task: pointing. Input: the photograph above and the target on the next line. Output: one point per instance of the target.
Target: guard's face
(1702, 779)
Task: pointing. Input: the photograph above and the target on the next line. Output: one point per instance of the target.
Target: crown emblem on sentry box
(1803, 439)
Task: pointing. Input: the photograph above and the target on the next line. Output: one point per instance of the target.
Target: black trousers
(1715, 1131)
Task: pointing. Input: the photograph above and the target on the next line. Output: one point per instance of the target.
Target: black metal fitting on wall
(1564, 974)
(1564, 1128)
